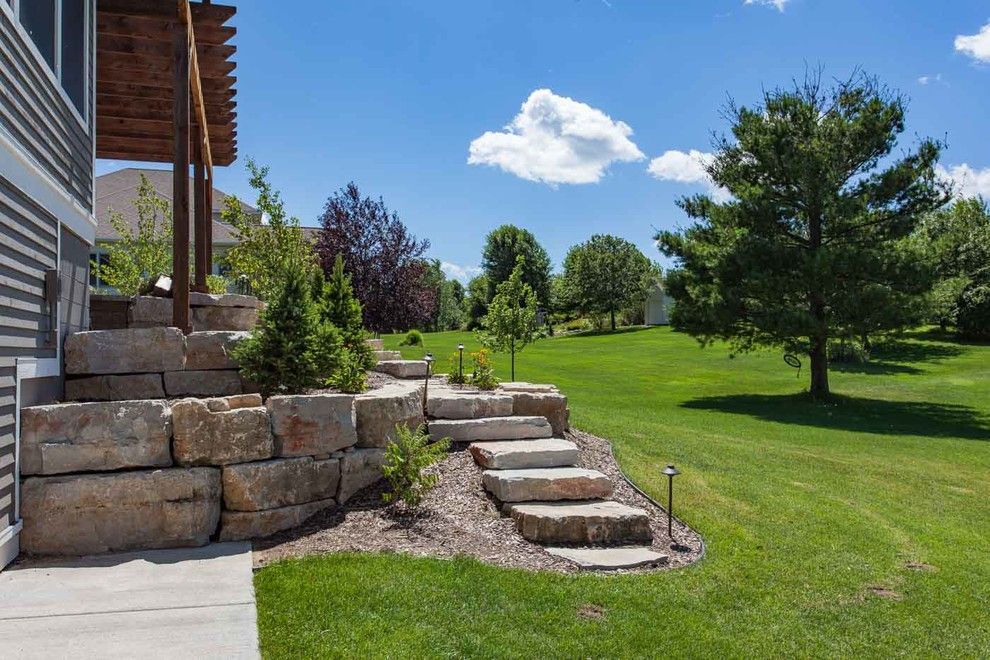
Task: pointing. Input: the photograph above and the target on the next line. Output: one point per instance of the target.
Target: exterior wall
(656, 309)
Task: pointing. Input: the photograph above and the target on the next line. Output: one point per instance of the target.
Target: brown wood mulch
(459, 518)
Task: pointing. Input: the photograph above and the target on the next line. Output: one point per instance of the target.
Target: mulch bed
(459, 518)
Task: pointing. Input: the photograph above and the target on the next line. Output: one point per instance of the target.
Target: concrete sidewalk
(184, 603)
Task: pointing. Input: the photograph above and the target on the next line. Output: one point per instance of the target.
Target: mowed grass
(860, 528)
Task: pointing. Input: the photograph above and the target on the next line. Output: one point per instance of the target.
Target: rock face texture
(549, 484)
(211, 432)
(359, 468)
(376, 344)
(202, 383)
(223, 318)
(388, 355)
(84, 514)
(402, 368)
(240, 525)
(444, 403)
(115, 388)
(491, 428)
(125, 351)
(279, 482)
(584, 522)
(551, 405)
(312, 424)
(609, 559)
(521, 454)
(378, 412)
(83, 437)
(149, 312)
(212, 350)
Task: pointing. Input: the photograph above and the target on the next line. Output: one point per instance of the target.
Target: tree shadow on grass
(605, 333)
(914, 418)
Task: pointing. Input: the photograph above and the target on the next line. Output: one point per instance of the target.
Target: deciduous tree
(510, 323)
(503, 247)
(606, 274)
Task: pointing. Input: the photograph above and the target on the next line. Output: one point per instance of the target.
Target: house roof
(118, 190)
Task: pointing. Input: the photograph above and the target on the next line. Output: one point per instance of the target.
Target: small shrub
(217, 284)
(338, 305)
(847, 351)
(413, 338)
(405, 459)
(483, 376)
(349, 376)
(454, 374)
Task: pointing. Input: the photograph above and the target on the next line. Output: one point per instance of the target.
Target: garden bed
(459, 518)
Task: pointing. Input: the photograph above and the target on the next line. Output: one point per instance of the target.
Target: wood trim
(180, 177)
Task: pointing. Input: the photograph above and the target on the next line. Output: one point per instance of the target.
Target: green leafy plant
(350, 375)
(406, 457)
(338, 305)
(217, 284)
(483, 373)
(511, 320)
(142, 254)
(454, 373)
(413, 338)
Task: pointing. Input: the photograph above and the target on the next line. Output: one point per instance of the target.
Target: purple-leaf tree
(385, 262)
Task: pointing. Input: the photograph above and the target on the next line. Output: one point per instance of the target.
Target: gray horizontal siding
(6, 444)
(37, 116)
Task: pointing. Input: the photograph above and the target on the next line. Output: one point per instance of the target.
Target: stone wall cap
(223, 300)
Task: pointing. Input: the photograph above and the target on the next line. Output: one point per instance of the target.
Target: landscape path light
(671, 472)
(429, 371)
(460, 363)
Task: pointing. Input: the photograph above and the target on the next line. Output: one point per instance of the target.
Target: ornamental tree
(503, 248)
(606, 274)
(338, 306)
(385, 262)
(511, 320)
(806, 248)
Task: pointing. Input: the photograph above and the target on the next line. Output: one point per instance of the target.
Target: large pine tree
(806, 248)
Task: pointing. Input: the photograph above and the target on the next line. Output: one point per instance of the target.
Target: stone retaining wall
(207, 312)
(126, 475)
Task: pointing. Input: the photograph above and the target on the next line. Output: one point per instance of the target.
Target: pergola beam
(153, 27)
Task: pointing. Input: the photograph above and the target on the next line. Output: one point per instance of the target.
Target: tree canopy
(511, 320)
(606, 274)
(805, 249)
(503, 247)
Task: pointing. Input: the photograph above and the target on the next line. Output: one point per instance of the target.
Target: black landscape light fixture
(460, 363)
(429, 372)
(671, 472)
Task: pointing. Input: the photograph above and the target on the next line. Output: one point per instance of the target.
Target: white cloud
(929, 78)
(689, 167)
(779, 4)
(555, 139)
(460, 273)
(968, 182)
(976, 45)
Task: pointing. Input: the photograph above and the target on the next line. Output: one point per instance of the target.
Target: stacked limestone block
(151, 363)
(138, 474)
(208, 312)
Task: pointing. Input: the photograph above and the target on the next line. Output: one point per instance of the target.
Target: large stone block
(212, 432)
(582, 522)
(359, 468)
(93, 513)
(551, 405)
(127, 351)
(212, 350)
(241, 525)
(197, 299)
(491, 428)
(312, 424)
(377, 412)
(402, 368)
(115, 388)
(84, 437)
(376, 344)
(149, 312)
(549, 484)
(444, 403)
(279, 482)
(202, 383)
(219, 317)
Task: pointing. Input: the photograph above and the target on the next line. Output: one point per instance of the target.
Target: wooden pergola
(165, 93)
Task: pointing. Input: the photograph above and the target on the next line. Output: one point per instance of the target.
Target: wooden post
(199, 211)
(208, 196)
(180, 178)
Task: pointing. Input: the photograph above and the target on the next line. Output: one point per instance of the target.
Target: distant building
(657, 306)
(118, 190)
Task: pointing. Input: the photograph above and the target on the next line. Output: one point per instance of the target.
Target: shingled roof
(118, 190)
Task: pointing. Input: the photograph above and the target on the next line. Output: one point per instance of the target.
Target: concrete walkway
(185, 603)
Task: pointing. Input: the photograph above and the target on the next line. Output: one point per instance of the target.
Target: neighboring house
(118, 190)
(657, 307)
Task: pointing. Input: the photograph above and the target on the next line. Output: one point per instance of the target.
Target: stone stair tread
(519, 454)
(582, 522)
(402, 368)
(546, 484)
(492, 428)
(384, 356)
(590, 558)
(449, 403)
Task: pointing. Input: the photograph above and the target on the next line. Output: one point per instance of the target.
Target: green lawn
(804, 508)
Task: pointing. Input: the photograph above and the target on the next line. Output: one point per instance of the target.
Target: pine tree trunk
(612, 313)
(816, 304)
(819, 369)
(513, 352)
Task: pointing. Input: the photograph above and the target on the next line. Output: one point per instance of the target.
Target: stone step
(540, 485)
(610, 559)
(519, 454)
(376, 344)
(491, 428)
(447, 403)
(581, 522)
(385, 356)
(402, 368)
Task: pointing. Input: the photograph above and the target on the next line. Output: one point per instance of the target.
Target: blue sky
(392, 94)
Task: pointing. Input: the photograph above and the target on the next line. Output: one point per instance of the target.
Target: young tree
(503, 247)
(263, 252)
(138, 256)
(807, 244)
(510, 322)
(449, 313)
(338, 306)
(384, 260)
(476, 302)
(606, 274)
